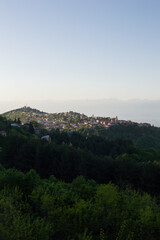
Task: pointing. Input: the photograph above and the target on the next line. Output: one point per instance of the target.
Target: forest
(90, 184)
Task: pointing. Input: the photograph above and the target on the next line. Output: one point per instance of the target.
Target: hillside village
(65, 120)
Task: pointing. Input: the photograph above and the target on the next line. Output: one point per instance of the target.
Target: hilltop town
(65, 120)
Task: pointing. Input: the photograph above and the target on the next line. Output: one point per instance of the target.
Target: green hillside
(78, 186)
(25, 114)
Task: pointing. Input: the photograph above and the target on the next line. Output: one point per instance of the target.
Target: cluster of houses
(90, 123)
(70, 121)
(84, 121)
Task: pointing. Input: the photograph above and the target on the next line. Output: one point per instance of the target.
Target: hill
(67, 120)
(25, 114)
(48, 120)
(23, 110)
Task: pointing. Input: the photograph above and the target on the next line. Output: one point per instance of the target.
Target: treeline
(72, 154)
(4, 124)
(32, 208)
(142, 137)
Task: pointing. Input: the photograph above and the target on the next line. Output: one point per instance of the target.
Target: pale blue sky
(79, 49)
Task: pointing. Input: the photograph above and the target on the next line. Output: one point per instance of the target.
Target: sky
(62, 50)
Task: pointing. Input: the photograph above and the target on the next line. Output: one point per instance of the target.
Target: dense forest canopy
(87, 184)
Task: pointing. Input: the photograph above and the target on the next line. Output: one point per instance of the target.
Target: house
(3, 133)
(15, 125)
(47, 138)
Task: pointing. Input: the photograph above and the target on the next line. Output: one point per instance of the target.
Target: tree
(31, 128)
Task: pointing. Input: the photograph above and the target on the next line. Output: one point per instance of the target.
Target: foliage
(52, 209)
(90, 186)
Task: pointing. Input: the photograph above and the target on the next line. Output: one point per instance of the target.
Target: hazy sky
(78, 49)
